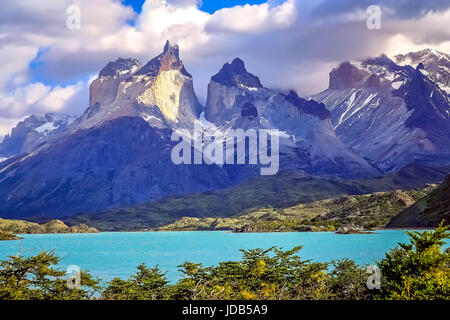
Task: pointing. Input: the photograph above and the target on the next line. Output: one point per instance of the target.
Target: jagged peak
(431, 59)
(311, 107)
(382, 60)
(421, 54)
(346, 75)
(170, 48)
(169, 59)
(119, 67)
(238, 66)
(236, 75)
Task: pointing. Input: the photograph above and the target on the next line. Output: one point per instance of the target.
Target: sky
(47, 65)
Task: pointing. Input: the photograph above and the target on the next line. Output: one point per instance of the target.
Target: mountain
(436, 65)
(32, 132)
(286, 189)
(161, 92)
(308, 143)
(118, 152)
(427, 212)
(391, 115)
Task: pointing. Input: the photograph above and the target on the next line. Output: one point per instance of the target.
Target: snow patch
(47, 127)
(2, 159)
(397, 84)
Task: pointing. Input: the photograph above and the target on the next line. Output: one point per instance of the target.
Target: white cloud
(15, 60)
(253, 18)
(38, 98)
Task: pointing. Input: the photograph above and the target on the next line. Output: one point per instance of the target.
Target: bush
(419, 270)
(34, 278)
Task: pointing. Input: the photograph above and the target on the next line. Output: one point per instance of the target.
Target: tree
(348, 281)
(260, 274)
(419, 270)
(146, 284)
(35, 278)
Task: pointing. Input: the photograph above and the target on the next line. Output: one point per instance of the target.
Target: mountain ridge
(117, 153)
(390, 114)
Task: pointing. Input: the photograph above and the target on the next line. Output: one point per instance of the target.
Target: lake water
(109, 255)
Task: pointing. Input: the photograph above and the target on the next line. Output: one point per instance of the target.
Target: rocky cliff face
(229, 90)
(390, 114)
(161, 92)
(122, 162)
(308, 143)
(119, 151)
(435, 64)
(32, 132)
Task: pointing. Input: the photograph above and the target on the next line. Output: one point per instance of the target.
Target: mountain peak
(169, 59)
(308, 106)
(425, 54)
(33, 131)
(238, 66)
(346, 76)
(119, 67)
(236, 75)
(172, 49)
(383, 61)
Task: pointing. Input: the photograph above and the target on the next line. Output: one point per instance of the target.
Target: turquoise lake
(116, 254)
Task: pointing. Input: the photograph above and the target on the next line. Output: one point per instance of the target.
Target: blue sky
(209, 6)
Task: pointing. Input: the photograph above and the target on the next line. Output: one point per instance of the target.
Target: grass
(428, 211)
(284, 190)
(368, 211)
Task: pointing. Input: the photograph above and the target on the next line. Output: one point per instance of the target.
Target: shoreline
(229, 231)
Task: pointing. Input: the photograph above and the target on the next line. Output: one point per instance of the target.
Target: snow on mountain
(32, 132)
(4, 159)
(237, 99)
(390, 114)
(118, 152)
(436, 65)
(161, 92)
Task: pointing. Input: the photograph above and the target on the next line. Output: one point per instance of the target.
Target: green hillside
(11, 226)
(350, 212)
(427, 212)
(283, 190)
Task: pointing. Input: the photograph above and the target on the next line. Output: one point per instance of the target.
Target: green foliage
(348, 281)
(416, 270)
(257, 194)
(368, 211)
(260, 274)
(4, 235)
(428, 211)
(419, 270)
(34, 278)
(146, 284)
